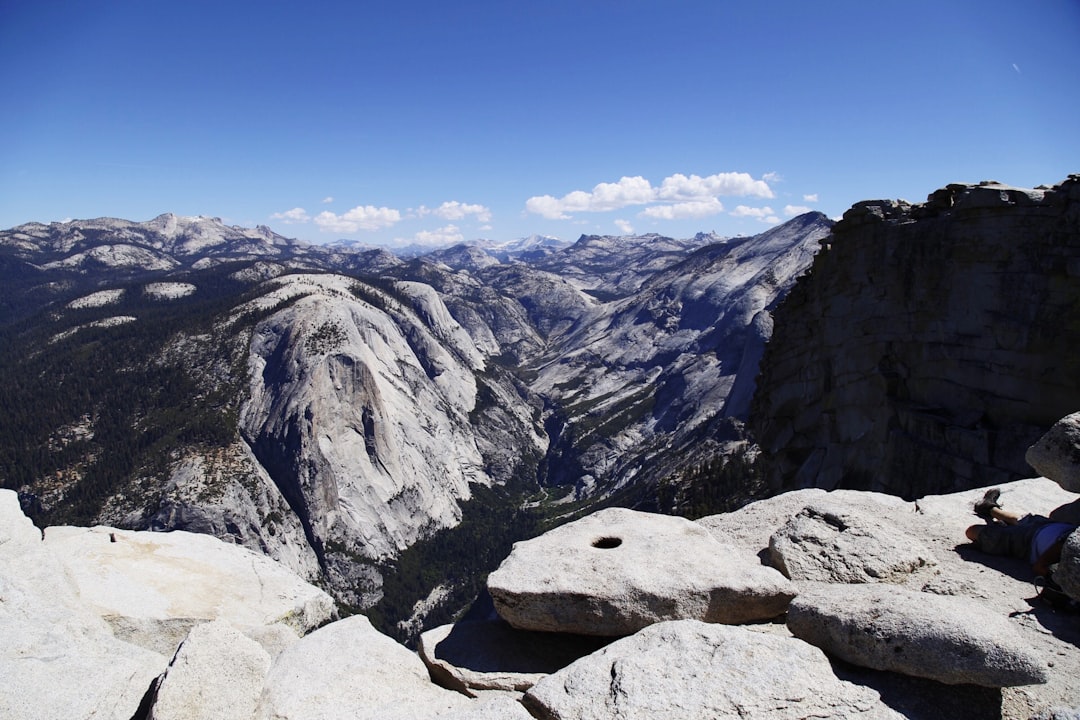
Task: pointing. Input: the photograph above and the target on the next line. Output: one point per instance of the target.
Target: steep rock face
(361, 414)
(929, 345)
(651, 371)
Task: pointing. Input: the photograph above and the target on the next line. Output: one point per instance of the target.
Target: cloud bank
(677, 196)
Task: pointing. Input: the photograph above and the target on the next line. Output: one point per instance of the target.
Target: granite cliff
(928, 345)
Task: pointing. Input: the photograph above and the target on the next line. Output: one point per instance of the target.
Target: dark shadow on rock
(922, 699)
(1012, 567)
(1063, 625)
(493, 646)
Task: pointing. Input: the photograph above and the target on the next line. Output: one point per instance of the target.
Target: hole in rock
(606, 543)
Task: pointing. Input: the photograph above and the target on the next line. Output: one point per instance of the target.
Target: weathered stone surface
(753, 525)
(370, 677)
(154, 587)
(1067, 574)
(929, 345)
(15, 528)
(617, 571)
(1056, 455)
(492, 655)
(688, 670)
(216, 673)
(491, 705)
(827, 542)
(58, 659)
(947, 639)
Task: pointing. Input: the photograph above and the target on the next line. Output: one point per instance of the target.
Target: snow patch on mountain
(168, 290)
(96, 300)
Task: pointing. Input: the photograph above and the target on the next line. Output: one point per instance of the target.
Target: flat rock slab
(692, 670)
(829, 542)
(1056, 454)
(154, 587)
(617, 571)
(492, 655)
(951, 640)
(347, 670)
(58, 659)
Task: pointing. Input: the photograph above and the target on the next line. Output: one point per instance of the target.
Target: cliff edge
(929, 344)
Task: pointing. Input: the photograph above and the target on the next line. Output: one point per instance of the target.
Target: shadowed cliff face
(929, 345)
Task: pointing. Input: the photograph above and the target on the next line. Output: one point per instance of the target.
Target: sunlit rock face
(361, 414)
(929, 345)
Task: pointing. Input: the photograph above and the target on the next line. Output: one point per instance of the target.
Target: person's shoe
(984, 507)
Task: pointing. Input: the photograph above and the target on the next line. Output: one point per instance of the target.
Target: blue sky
(399, 122)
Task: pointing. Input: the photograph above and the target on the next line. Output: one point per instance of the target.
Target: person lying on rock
(1034, 538)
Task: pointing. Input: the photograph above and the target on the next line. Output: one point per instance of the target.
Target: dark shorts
(1011, 540)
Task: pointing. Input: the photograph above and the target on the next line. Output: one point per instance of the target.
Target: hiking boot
(984, 507)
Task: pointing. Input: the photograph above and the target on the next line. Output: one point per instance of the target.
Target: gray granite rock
(15, 528)
(617, 571)
(347, 670)
(217, 672)
(1067, 574)
(830, 542)
(154, 587)
(948, 639)
(58, 658)
(1056, 454)
(692, 670)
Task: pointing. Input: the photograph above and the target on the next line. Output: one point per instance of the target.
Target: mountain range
(354, 413)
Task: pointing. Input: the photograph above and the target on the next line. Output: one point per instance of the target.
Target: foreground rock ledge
(692, 670)
(617, 571)
(948, 639)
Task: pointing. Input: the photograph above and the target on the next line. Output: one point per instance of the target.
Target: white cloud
(694, 187)
(772, 177)
(810, 198)
(292, 217)
(546, 206)
(328, 199)
(362, 217)
(759, 213)
(449, 235)
(793, 210)
(454, 210)
(678, 211)
(624, 227)
(688, 195)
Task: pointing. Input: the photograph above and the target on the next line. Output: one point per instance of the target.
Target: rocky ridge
(959, 635)
(928, 345)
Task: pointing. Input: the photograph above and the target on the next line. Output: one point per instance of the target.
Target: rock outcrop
(617, 571)
(361, 410)
(949, 639)
(1057, 453)
(833, 543)
(89, 618)
(693, 670)
(350, 670)
(928, 346)
(1068, 570)
(152, 588)
(217, 672)
(969, 618)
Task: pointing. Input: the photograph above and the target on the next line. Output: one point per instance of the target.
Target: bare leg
(1006, 516)
(1001, 515)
